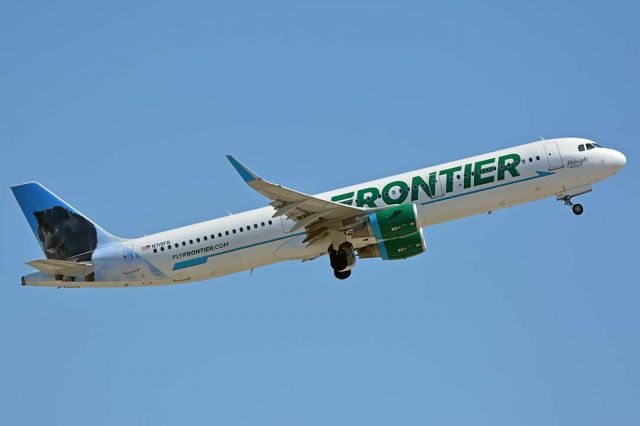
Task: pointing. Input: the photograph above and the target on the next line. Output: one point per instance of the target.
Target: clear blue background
(527, 316)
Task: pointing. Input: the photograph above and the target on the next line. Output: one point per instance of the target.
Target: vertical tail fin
(63, 232)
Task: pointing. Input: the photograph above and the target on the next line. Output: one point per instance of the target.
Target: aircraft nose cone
(617, 160)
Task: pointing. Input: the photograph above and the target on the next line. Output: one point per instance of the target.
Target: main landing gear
(342, 260)
(342, 275)
(576, 208)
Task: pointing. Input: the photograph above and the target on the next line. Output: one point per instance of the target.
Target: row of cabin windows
(466, 175)
(212, 236)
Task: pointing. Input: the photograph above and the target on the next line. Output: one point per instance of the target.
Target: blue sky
(527, 316)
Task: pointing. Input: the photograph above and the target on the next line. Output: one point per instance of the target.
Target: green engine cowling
(398, 248)
(392, 222)
(397, 231)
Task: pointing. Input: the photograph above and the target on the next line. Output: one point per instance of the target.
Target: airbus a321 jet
(382, 219)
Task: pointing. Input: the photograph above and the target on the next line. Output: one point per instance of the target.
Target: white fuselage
(254, 238)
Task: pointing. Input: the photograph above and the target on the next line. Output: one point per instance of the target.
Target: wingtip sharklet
(246, 174)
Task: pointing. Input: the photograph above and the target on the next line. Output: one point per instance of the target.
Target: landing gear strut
(342, 260)
(576, 208)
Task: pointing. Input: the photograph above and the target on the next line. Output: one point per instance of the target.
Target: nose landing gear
(342, 260)
(567, 195)
(576, 208)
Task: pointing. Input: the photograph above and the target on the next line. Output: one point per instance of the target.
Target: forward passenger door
(554, 158)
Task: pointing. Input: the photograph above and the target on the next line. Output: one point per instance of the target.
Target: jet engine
(397, 231)
(398, 248)
(392, 222)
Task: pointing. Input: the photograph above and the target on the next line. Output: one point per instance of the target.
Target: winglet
(244, 172)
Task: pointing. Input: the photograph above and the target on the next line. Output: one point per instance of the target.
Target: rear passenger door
(129, 262)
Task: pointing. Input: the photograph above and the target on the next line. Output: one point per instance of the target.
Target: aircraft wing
(62, 267)
(314, 214)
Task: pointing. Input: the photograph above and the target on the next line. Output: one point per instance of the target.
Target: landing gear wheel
(342, 275)
(342, 260)
(577, 209)
(338, 260)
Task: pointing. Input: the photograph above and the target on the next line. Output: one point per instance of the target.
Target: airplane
(381, 219)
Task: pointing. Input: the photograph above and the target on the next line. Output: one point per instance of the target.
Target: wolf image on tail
(62, 231)
(65, 235)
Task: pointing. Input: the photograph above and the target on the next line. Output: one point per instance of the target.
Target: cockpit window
(581, 147)
(597, 145)
(590, 146)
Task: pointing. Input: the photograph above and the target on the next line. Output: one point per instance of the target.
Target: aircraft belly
(459, 205)
(294, 248)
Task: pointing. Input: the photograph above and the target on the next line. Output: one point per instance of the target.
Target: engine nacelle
(397, 248)
(391, 223)
(397, 232)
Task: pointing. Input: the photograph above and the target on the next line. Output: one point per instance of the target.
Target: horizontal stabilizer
(62, 267)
